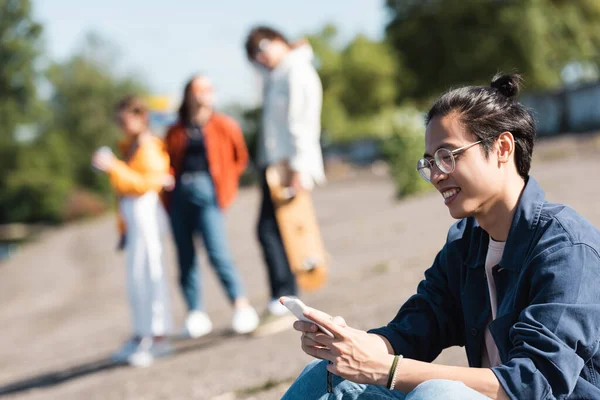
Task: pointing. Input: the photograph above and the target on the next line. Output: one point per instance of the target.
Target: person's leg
(312, 384)
(149, 212)
(182, 217)
(160, 311)
(138, 285)
(281, 279)
(211, 224)
(444, 389)
(134, 255)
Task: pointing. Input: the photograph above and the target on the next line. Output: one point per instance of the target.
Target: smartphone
(297, 308)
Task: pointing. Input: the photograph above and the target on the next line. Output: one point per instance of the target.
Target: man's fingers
(318, 352)
(310, 342)
(305, 327)
(326, 321)
(321, 339)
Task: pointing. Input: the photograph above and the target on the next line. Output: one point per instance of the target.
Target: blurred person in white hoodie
(290, 133)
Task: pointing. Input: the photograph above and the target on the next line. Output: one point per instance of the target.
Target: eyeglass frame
(452, 154)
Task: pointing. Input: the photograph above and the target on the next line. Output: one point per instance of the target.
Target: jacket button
(474, 332)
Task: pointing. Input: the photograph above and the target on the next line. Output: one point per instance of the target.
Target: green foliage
(40, 172)
(403, 148)
(38, 187)
(359, 84)
(369, 70)
(19, 42)
(445, 42)
(430, 45)
(85, 90)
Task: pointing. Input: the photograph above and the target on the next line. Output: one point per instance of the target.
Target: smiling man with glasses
(515, 283)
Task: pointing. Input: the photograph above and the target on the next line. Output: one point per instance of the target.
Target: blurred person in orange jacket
(138, 179)
(208, 156)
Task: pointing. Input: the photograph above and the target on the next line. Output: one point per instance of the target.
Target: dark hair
(184, 108)
(487, 111)
(256, 35)
(132, 104)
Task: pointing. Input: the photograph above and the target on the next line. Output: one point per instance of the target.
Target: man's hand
(355, 355)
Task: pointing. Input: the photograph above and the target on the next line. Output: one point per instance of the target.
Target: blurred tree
(85, 89)
(362, 82)
(403, 147)
(446, 42)
(40, 183)
(370, 73)
(19, 47)
(43, 173)
(359, 84)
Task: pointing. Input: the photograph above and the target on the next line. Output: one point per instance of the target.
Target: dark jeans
(195, 209)
(281, 279)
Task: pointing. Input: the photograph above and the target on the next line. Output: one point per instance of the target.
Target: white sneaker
(128, 348)
(198, 324)
(142, 357)
(245, 320)
(276, 308)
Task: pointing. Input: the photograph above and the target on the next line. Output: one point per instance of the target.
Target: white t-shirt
(491, 356)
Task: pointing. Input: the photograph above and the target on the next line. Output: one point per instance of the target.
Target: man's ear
(506, 146)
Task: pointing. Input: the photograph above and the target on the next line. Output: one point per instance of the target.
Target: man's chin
(458, 212)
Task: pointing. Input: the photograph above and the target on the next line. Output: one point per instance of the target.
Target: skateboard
(299, 228)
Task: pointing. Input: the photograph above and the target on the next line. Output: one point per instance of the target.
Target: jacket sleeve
(304, 114)
(555, 335)
(430, 320)
(128, 181)
(239, 147)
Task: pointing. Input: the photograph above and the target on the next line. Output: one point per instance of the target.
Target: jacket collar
(520, 236)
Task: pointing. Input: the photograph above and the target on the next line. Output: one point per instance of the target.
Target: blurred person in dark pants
(138, 180)
(208, 156)
(291, 130)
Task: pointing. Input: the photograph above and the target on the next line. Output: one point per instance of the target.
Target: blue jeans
(195, 209)
(312, 384)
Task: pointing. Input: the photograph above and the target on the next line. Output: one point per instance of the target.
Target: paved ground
(64, 307)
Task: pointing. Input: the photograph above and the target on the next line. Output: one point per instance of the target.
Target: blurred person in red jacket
(208, 156)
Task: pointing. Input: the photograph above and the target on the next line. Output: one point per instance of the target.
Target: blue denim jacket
(547, 328)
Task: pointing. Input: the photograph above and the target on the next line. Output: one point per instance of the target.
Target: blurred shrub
(39, 182)
(403, 148)
(83, 203)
